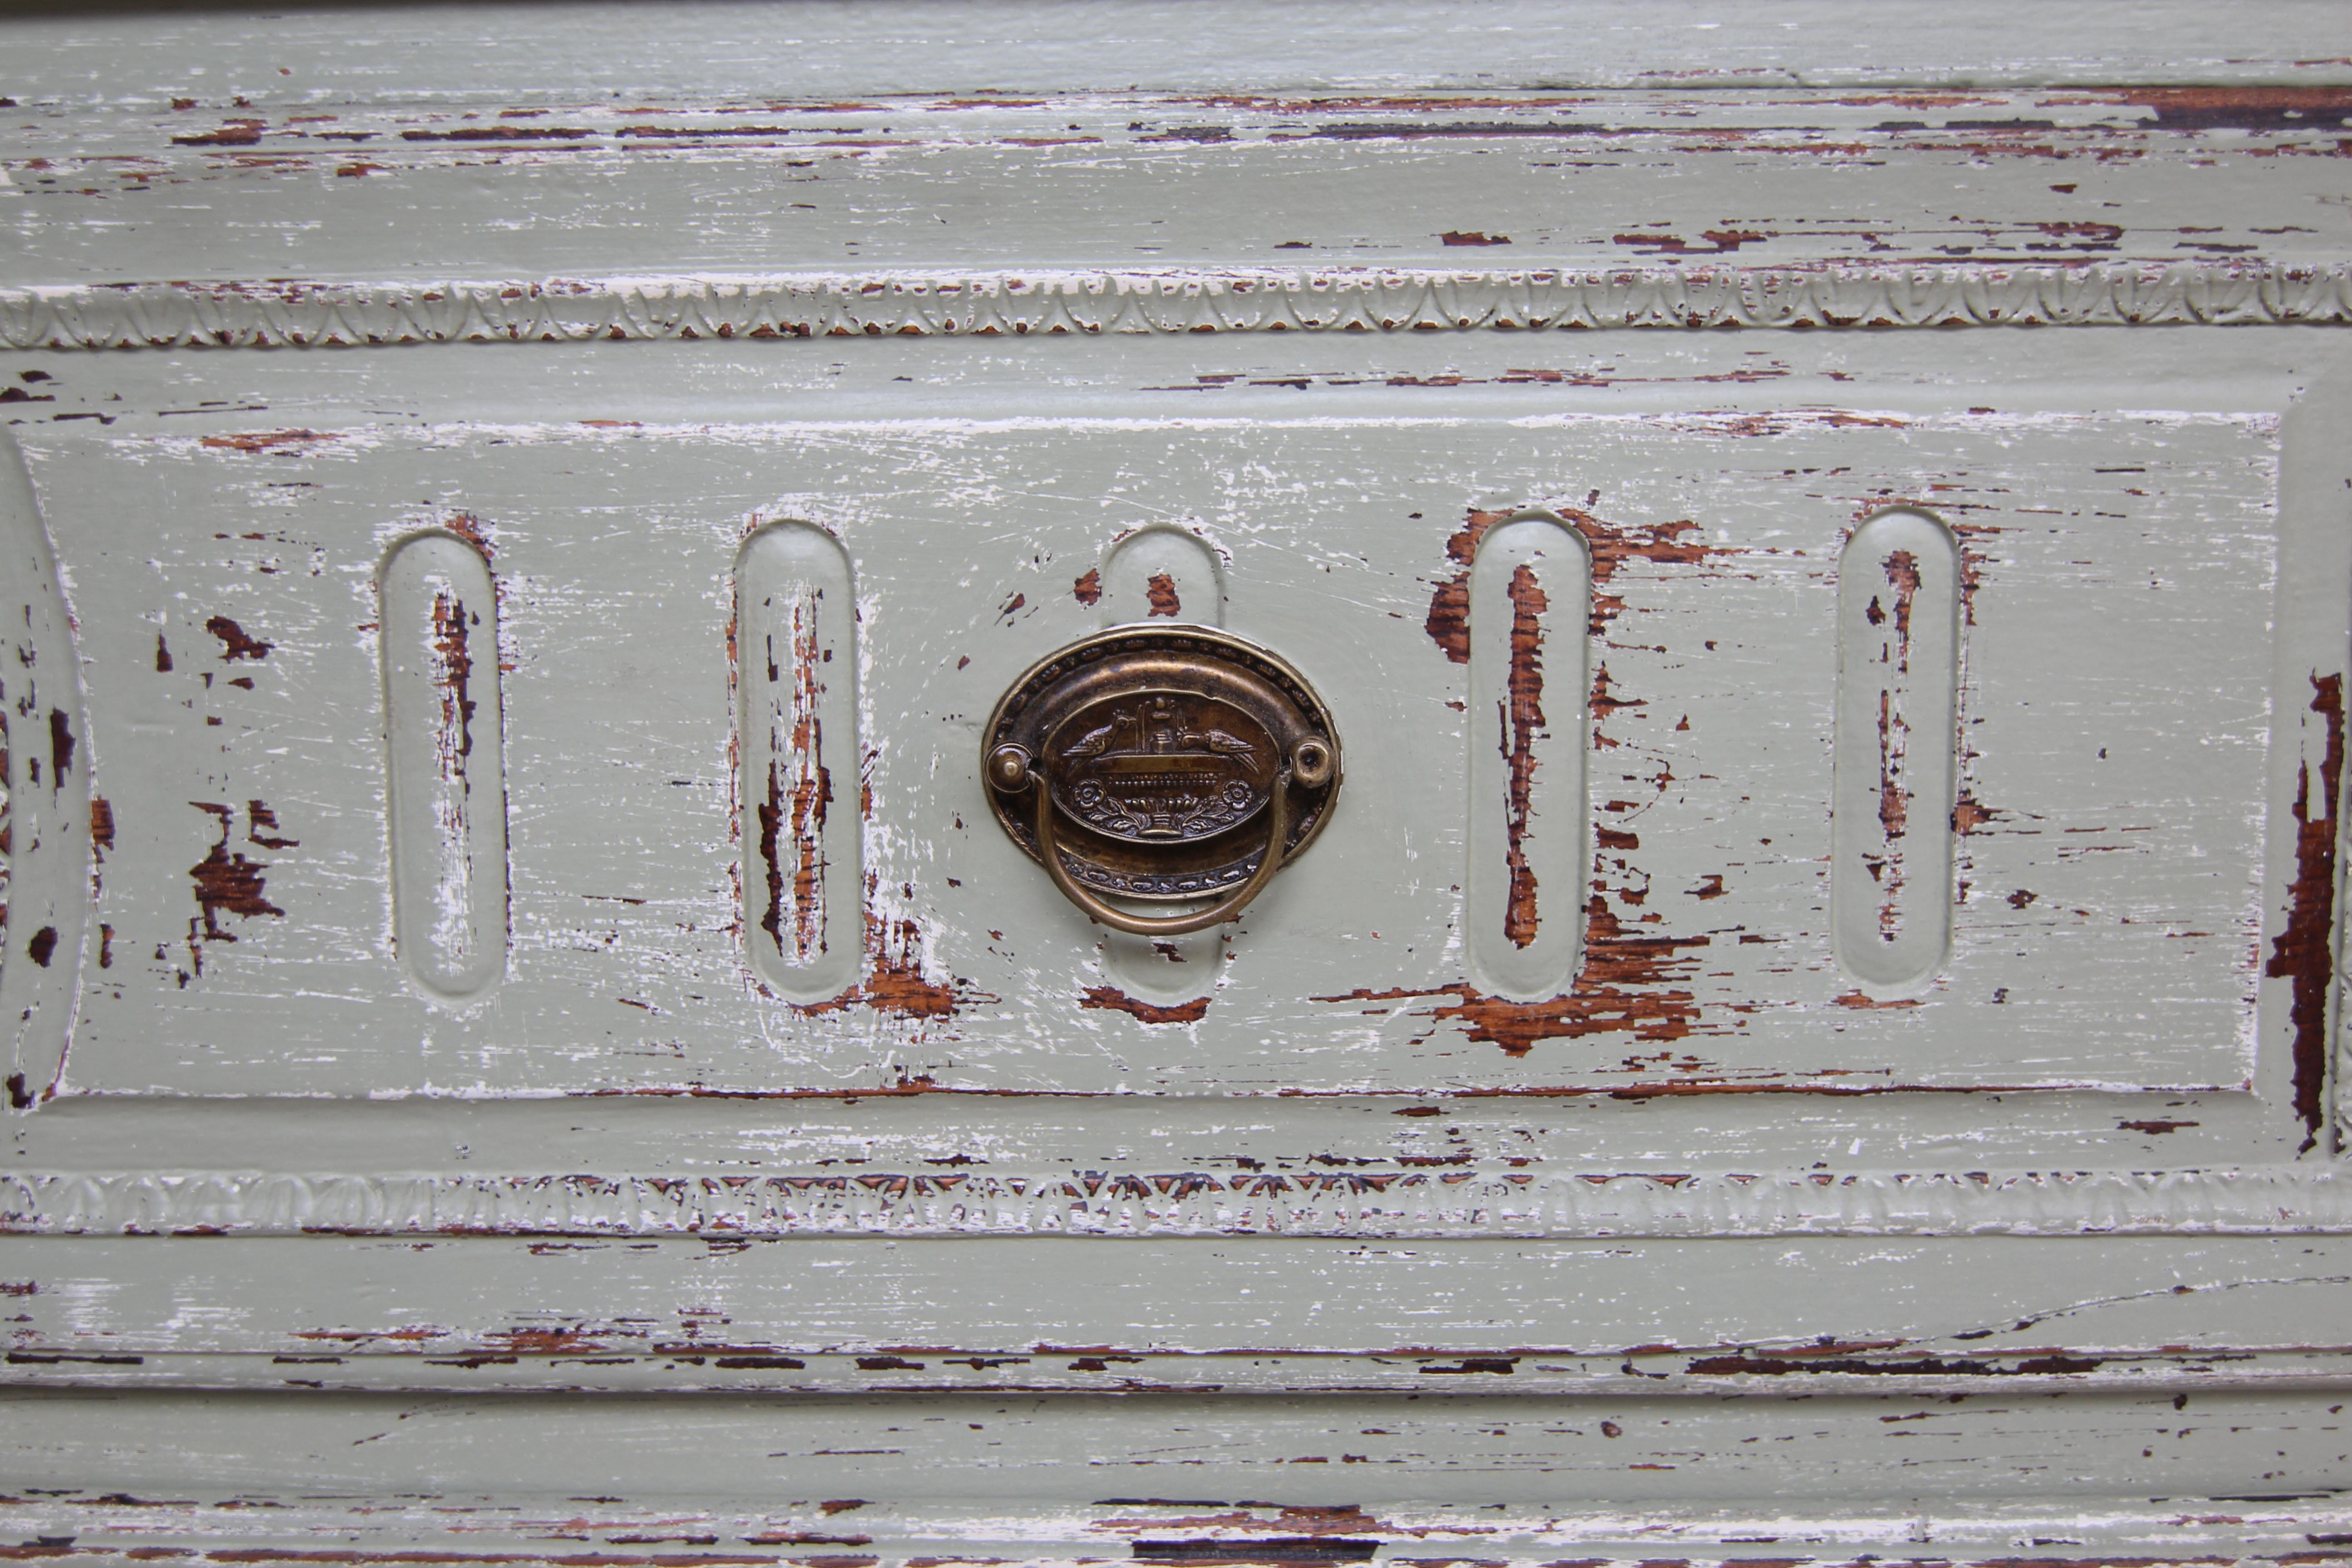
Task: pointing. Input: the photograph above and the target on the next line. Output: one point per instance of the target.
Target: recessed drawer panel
(1809, 745)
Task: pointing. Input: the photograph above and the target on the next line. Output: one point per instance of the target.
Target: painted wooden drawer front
(1831, 595)
(1887, 718)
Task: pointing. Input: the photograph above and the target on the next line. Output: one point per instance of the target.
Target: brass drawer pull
(1138, 763)
(1223, 909)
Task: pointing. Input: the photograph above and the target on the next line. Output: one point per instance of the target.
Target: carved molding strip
(1233, 299)
(2275, 1199)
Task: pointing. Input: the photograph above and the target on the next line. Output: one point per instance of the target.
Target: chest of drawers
(1783, 577)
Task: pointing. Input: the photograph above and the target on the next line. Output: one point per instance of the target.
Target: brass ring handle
(1225, 909)
(1152, 751)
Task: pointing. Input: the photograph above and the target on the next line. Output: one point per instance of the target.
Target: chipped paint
(2303, 951)
(235, 644)
(1895, 740)
(1523, 721)
(800, 790)
(1672, 847)
(452, 674)
(1631, 982)
(1902, 584)
(2292, 109)
(446, 771)
(985, 1083)
(259, 441)
(1160, 591)
(62, 749)
(1613, 545)
(226, 882)
(794, 647)
(977, 1022)
(1110, 998)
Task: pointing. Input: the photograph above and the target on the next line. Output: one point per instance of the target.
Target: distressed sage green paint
(655, 1249)
(446, 794)
(45, 768)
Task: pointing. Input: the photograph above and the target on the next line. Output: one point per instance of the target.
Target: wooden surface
(1812, 1033)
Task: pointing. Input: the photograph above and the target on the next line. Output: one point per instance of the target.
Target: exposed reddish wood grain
(2304, 952)
(1449, 605)
(62, 748)
(453, 674)
(449, 644)
(1969, 814)
(1678, 543)
(1888, 868)
(1523, 721)
(1628, 981)
(895, 982)
(226, 883)
(470, 529)
(267, 440)
(1631, 982)
(258, 816)
(234, 643)
(1749, 1363)
(1860, 1002)
(2243, 108)
(1115, 1000)
(770, 812)
(800, 793)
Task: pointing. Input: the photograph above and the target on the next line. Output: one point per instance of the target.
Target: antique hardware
(1161, 766)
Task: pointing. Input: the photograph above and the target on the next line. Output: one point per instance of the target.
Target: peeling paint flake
(2303, 951)
(226, 882)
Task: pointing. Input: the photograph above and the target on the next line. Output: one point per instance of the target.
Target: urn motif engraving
(1163, 766)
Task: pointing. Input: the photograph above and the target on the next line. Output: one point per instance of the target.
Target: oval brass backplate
(1167, 761)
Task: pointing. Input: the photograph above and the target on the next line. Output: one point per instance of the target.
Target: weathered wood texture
(1986, 1476)
(1253, 1313)
(1284, 197)
(80, 54)
(1812, 1032)
(2103, 867)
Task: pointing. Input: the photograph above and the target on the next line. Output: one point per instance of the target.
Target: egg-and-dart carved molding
(1371, 1204)
(1228, 299)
